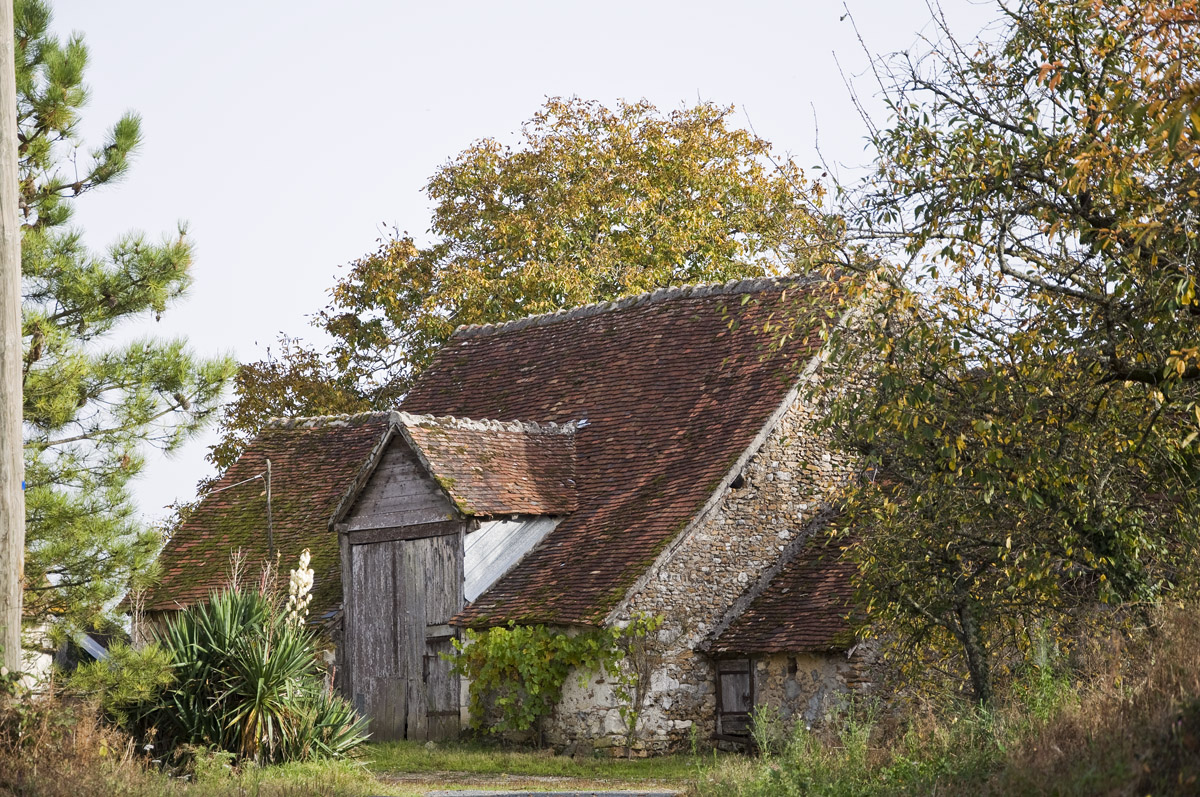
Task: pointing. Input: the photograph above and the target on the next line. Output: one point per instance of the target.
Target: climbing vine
(633, 679)
(517, 672)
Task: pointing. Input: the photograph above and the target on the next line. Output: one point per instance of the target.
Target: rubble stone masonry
(694, 583)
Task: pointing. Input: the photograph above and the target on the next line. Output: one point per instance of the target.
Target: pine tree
(90, 408)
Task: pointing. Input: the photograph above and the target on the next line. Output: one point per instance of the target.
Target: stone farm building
(653, 454)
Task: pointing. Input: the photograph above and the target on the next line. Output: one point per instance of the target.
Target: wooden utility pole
(12, 463)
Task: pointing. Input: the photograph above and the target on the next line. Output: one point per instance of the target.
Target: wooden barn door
(404, 586)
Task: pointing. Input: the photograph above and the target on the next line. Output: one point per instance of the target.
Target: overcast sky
(291, 135)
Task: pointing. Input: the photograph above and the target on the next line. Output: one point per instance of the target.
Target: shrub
(126, 684)
(517, 672)
(247, 682)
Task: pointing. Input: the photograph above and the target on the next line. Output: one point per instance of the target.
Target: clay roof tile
(673, 386)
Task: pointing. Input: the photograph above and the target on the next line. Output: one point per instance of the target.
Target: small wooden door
(735, 698)
(441, 690)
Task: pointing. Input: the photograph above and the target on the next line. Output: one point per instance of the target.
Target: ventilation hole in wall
(738, 482)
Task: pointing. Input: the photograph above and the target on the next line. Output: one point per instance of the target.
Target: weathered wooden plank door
(442, 563)
(397, 629)
(735, 698)
(402, 552)
(378, 676)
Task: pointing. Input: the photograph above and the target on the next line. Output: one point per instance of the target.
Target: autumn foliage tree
(1031, 433)
(590, 205)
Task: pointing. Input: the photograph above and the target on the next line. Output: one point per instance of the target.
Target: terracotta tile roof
(672, 386)
(803, 609)
(315, 463)
(498, 468)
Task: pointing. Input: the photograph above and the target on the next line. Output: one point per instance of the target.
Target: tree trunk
(12, 464)
(979, 664)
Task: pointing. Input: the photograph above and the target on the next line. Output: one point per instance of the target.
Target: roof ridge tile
(695, 291)
(322, 421)
(487, 424)
(409, 419)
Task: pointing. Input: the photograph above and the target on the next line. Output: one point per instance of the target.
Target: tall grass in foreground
(49, 748)
(1132, 727)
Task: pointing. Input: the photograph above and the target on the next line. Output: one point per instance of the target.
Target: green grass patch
(475, 759)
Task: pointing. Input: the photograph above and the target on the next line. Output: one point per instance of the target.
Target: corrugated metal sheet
(496, 546)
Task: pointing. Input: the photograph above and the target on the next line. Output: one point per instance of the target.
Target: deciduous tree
(592, 204)
(1031, 432)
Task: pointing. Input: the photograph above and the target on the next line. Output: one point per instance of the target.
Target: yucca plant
(247, 681)
(266, 688)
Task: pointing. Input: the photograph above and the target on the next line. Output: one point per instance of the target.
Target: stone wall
(808, 687)
(695, 582)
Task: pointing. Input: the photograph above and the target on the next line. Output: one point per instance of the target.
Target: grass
(475, 759)
(318, 778)
(410, 768)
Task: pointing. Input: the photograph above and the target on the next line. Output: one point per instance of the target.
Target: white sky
(290, 135)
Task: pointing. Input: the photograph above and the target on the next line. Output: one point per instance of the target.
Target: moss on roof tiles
(490, 468)
(315, 462)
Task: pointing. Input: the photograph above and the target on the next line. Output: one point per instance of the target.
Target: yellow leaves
(1051, 74)
(1187, 292)
(1178, 362)
(1187, 441)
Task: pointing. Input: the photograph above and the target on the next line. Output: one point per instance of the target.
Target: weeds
(1130, 724)
(51, 748)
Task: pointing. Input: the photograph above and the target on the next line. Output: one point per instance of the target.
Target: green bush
(126, 684)
(517, 672)
(247, 682)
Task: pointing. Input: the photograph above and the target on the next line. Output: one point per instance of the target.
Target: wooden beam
(440, 631)
(389, 520)
(417, 531)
